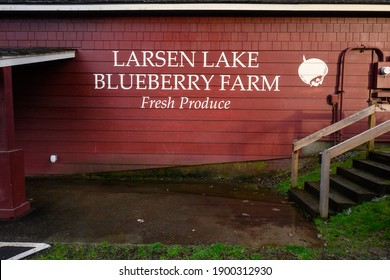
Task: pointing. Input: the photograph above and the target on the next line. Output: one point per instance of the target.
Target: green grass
(158, 251)
(361, 232)
(314, 173)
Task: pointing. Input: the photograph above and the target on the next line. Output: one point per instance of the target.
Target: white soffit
(20, 59)
(200, 7)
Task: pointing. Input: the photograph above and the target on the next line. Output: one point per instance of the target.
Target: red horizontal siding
(53, 125)
(59, 111)
(173, 114)
(119, 150)
(154, 137)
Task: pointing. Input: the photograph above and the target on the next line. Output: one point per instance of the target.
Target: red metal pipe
(338, 111)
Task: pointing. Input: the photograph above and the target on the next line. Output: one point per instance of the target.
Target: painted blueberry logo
(313, 71)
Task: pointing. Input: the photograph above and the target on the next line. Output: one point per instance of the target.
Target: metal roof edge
(21, 59)
(196, 7)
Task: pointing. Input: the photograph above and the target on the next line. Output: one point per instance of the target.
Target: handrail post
(371, 124)
(324, 184)
(365, 137)
(294, 168)
(299, 144)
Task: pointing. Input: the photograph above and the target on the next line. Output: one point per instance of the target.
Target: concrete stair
(365, 180)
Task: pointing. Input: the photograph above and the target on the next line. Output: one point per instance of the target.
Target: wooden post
(7, 133)
(13, 202)
(371, 124)
(324, 184)
(294, 169)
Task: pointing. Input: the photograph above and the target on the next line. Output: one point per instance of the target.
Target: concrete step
(354, 191)
(383, 157)
(365, 179)
(374, 167)
(337, 200)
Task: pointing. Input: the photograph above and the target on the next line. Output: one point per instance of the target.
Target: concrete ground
(88, 210)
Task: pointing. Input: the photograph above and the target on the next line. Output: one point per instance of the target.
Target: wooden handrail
(339, 149)
(299, 144)
(326, 156)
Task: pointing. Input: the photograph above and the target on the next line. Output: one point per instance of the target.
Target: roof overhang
(197, 7)
(13, 57)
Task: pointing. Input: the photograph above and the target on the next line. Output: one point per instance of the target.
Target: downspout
(337, 113)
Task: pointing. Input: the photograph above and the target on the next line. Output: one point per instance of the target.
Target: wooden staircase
(365, 180)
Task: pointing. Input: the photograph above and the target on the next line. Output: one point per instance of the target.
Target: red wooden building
(91, 86)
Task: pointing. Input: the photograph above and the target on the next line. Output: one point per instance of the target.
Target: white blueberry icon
(313, 71)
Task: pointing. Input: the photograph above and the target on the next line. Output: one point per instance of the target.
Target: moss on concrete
(244, 171)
